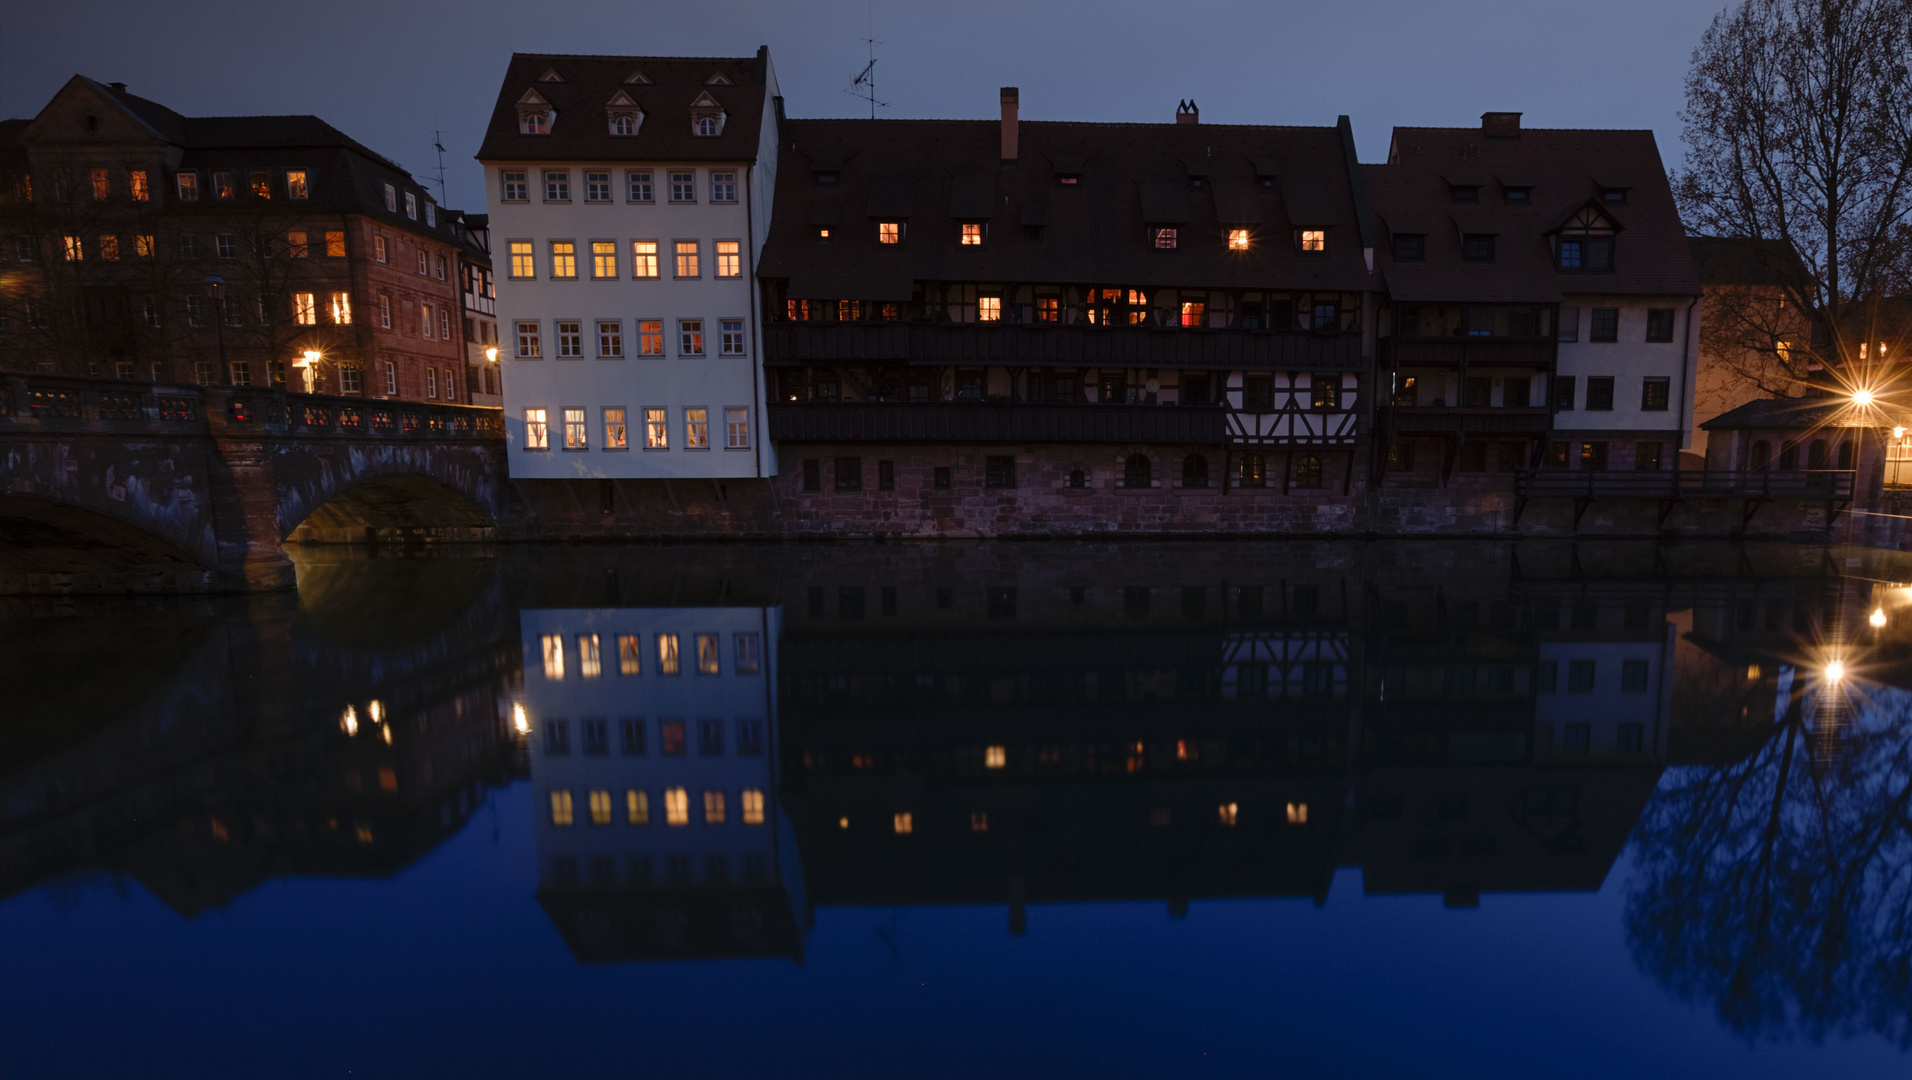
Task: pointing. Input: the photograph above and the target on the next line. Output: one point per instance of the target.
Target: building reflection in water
(719, 741)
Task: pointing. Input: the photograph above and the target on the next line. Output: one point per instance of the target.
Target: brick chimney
(1009, 124)
(1500, 125)
(1187, 113)
(118, 87)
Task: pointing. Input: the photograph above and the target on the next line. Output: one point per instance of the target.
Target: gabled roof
(936, 173)
(666, 89)
(1788, 414)
(1739, 260)
(1559, 168)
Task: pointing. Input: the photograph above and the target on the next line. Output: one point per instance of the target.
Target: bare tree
(1798, 123)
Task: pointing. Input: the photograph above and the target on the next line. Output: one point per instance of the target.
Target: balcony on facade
(1059, 345)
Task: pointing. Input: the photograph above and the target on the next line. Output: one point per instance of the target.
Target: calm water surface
(1418, 810)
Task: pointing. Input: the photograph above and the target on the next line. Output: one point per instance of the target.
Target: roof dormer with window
(706, 116)
(1584, 242)
(624, 114)
(535, 114)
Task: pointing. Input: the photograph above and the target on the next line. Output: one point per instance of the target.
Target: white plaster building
(630, 198)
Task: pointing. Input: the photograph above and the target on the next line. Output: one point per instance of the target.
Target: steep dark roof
(935, 174)
(1565, 170)
(1740, 260)
(582, 130)
(1799, 413)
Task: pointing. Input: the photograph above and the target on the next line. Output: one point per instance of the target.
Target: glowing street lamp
(308, 365)
(491, 354)
(1877, 618)
(1835, 671)
(1862, 397)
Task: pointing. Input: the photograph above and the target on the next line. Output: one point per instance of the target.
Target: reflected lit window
(557, 738)
(995, 757)
(753, 806)
(387, 779)
(589, 666)
(671, 734)
(979, 821)
(713, 808)
(364, 833)
(747, 654)
(630, 648)
(560, 808)
(904, 823)
(667, 654)
(676, 806)
(1226, 812)
(1297, 813)
(553, 656)
(706, 654)
(600, 808)
(637, 807)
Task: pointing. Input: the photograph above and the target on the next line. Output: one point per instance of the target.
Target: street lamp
(213, 282)
(308, 365)
(491, 354)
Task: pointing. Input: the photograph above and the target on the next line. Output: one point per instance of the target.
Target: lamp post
(308, 365)
(213, 282)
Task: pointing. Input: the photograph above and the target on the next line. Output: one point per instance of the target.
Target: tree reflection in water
(1778, 887)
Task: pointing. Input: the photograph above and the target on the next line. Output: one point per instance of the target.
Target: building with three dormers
(630, 199)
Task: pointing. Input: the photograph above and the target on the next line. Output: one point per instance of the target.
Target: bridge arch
(442, 492)
(50, 546)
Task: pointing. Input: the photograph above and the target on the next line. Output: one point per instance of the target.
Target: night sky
(389, 73)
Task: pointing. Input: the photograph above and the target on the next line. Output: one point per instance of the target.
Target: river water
(1232, 809)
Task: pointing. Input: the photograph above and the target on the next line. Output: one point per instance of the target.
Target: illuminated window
(295, 184)
(222, 187)
(589, 665)
(972, 235)
(575, 435)
(1226, 812)
(903, 823)
(341, 308)
(600, 807)
(630, 648)
(102, 185)
(528, 344)
(737, 429)
(560, 808)
(334, 244)
(995, 757)
(610, 335)
(667, 654)
(643, 258)
(564, 259)
(753, 806)
(671, 737)
(136, 186)
(650, 338)
(823, 234)
(1297, 813)
(188, 183)
(72, 248)
(305, 309)
(411, 205)
(676, 806)
(1314, 240)
(686, 258)
(378, 252)
(553, 656)
(713, 808)
(637, 807)
(603, 259)
(615, 437)
(1238, 239)
(1164, 238)
(889, 232)
(989, 309)
(707, 654)
(730, 261)
(656, 432)
(979, 821)
(260, 183)
(1194, 313)
(109, 248)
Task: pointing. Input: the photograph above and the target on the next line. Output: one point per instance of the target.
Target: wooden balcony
(1670, 487)
(1010, 344)
(1438, 420)
(1472, 352)
(996, 422)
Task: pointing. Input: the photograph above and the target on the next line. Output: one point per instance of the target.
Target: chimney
(118, 87)
(1500, 125)
(1009, 125)
(1187, 113)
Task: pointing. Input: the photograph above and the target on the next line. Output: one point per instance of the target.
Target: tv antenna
(863, 87)
(438, 142)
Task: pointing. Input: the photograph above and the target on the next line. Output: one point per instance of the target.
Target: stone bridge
(110, 486)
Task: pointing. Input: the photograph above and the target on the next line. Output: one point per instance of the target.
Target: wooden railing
(996, 422)
(1833, 484)
(1054, 345)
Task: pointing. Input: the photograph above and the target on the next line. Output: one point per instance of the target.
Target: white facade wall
(1630, 361)
(674, 381)
(1608, 703)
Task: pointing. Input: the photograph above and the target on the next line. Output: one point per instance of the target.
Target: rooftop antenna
(863, 87)
(438, 141)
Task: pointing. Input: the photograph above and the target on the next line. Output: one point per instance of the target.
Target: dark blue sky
(388, 73)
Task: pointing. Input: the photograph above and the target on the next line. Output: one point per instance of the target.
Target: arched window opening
(1195, 471)
(1762, 458)
(1845, 455)
(1308, 471)
(1815, 456)
(1078, 478)
(1253, 473)
(1136, 472)
(1789, 455)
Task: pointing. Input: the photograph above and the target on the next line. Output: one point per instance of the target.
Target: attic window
(826, 179)
(550, 75)
(637, 79)
(823, 233)
(1520, 196)
(889, 232)
(717, 80)
(1464, 193)
(1196, 183)
(1068, 179)
(1615, 195)
(1315, 240)
(972, 234)
(1268, 183)
(1164, 238)
(624, 124)
(1238, 239)
(705, 125)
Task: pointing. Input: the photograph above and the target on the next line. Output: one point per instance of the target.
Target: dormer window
(1585, 243)
(1314, 240)
(1238, 239)
(1520, 196)
(1164, 239)
(550, 75)
(1196, 183)
(972, 234)
(823, 232)
(825, 179)
(706, 116)
(624, 124)
(1068, 179)
(1410, 247)
(717, 80)
(889, 232)
(705, 125)
(1616, 196)
(1464, 193)
(626, 118)
(535, 114)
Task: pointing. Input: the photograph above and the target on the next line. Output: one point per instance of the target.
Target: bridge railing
(107, 406)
